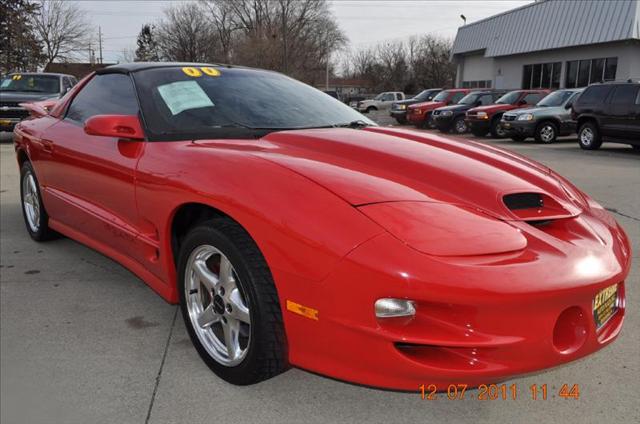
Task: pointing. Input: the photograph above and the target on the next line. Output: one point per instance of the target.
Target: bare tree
(62, 28)
(185, 34)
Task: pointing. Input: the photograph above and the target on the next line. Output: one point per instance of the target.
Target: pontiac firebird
(293, 231)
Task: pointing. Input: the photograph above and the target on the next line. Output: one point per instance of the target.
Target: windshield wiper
(358, 123)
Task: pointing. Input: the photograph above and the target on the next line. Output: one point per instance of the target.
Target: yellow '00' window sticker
(197, 72)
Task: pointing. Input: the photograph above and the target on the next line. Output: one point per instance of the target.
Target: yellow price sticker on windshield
(212, 72)
(16, 77)
(191, 71)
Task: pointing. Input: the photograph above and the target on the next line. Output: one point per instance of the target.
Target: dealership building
(551, 44)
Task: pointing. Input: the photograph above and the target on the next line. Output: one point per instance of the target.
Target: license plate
(5, 122)
(605, 305)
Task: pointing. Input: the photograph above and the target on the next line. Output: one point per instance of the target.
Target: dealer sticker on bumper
(605, 305)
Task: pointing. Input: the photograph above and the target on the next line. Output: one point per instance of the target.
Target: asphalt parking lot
(82, 340)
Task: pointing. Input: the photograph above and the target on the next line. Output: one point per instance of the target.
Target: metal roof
(550, 24)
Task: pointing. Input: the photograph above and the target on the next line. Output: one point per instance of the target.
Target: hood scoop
(536, 207)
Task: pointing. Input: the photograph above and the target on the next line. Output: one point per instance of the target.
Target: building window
(541, 75)
(581, 73)
(476, 84)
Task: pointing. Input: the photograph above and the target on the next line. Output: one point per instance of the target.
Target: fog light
(392, 308)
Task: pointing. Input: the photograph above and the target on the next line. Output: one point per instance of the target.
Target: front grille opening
(518, 201)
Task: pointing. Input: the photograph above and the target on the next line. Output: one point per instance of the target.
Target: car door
(387, 100)
(90, 179)
(621, 112)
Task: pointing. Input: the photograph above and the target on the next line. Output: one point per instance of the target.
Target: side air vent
(517, 201)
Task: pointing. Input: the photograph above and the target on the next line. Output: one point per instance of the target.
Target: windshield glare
(31, 83)
(173, 102)
(509, 98)
(557, 98)
(424, 95)
(441, 97)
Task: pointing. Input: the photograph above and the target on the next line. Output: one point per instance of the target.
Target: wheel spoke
(226, 272)
(231, 330)
(32, 185)
(238, 309)
(204, 274)
(208, 317)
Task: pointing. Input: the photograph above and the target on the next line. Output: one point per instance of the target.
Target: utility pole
(326, 77)
(92, 57)
(100, 41)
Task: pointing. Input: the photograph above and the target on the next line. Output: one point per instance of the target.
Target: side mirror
(120, 126)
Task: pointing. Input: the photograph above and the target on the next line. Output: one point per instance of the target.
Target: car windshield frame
(235, 103)
(552, 96)
(509, 98)
(424, 95)
(475, 96)
(16, 83)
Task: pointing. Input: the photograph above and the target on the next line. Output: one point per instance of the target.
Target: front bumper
(519, 128)
(479, 319)
(398, 113)
(418, 117)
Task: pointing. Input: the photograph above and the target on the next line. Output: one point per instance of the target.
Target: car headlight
(525, 117)
(482, 115)
(402, 107)
(446, 113)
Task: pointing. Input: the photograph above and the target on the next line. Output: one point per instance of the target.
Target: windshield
(557, 98)
(31, 83)
(424, 95)
(509, 98)
(469, 99)
(174, 102)
(441, 97)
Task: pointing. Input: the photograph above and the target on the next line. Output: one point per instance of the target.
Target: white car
(380, 102)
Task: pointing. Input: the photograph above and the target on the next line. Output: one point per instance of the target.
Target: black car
(29, 87)
(608, 112)
(399, 109)
(451, 118)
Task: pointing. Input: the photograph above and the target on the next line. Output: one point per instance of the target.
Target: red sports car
(294, 231)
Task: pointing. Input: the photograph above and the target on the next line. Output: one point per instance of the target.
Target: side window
(398, 96)
(486, 99)
(66, 84)
(532, 98)
(456, 98)
(387, 97)
(624, 94)
(594, 94)
(103, 95)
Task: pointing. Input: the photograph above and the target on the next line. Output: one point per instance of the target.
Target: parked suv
(25, 88)
(381, 101)
(608, 112)
(419, 114)
(399, 109)
(451, 118)
(546, 121)
(484, 119)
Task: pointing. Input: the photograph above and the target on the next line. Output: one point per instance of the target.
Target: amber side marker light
(305, 311)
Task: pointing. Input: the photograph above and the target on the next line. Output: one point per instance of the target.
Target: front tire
(497, 131)
(546, 132)
(35, 216)
(371, 109)
(229, 303)
(460, 126)
(589, 137)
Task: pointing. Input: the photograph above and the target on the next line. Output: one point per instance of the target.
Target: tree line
(300, 38)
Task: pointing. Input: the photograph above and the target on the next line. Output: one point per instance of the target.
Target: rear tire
(258, 349)
(546, 132)
(35, 215)
(371, 109)
(589, 137)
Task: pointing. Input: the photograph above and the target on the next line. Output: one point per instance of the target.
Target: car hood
(406, 102)
(493, 108)
(552, 110)
(454, 108)
(426, 105)
(377, 165)
(22, 96)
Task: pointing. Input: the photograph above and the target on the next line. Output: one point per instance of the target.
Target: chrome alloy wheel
(586, 136)
(31, 201)
(460, 126)
(217, 308)
(547, 133)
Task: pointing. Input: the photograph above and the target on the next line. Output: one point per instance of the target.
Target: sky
(364, 22)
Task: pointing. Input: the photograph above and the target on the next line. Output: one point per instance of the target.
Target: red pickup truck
(419, 114)
(483, 119)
